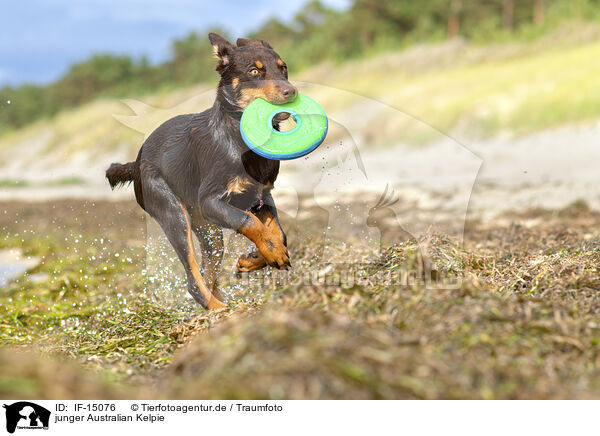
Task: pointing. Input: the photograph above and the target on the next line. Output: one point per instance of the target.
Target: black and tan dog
(194, 173)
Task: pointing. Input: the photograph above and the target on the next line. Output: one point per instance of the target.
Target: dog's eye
(254, 72)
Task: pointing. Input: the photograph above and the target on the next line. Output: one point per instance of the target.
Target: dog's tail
(119, 174)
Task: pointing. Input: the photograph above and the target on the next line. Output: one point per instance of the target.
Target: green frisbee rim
(259, 135)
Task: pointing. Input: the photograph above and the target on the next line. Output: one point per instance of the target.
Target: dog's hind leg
(162, 204)
(210, 237)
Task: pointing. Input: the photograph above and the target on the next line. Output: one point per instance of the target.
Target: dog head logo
(26, 415)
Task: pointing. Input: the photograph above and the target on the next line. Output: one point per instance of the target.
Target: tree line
(315, 34)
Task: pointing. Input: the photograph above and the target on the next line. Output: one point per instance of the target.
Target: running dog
(195, 175)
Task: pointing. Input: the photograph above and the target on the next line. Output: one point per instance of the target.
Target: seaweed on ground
(510, 312)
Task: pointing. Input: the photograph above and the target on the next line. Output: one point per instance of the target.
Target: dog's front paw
(275, 253)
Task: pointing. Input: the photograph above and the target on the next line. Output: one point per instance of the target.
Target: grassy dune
(516, 88)
(453, 87)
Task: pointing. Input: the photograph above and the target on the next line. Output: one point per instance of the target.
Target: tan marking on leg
(254, 231)
(211, 266)
(255, 260)
(270, 223)
(269, 245)
(235, 82)
(211, 301)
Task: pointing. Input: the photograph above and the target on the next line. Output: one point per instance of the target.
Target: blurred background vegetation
(316, 34)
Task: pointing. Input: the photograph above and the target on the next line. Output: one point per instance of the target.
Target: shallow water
(10, 271)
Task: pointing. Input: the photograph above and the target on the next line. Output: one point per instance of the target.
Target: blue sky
(39, 39)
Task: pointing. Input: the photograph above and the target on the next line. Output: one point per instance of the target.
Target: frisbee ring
(256, 127)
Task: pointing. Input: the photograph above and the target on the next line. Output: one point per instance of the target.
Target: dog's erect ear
(221, 47)
(247, 41)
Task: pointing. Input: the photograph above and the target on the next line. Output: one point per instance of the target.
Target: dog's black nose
(289, 92)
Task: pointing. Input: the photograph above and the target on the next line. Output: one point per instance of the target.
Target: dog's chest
(246, 193)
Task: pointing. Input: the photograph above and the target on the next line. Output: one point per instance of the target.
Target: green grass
(65, 181)
(12, 183)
